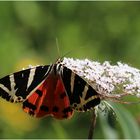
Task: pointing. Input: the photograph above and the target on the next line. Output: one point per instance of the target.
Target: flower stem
(92, 125)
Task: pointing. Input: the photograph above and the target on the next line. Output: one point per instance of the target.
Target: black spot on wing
(39, 92)
(62, 95)
(29, 105)
(32, 113)
(67, 109)
(80, 109)
(12, 100)
(66, 112)
(65, 116)
(44, 108)
(55, 109)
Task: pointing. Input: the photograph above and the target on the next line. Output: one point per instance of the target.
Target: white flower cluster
(107, 79)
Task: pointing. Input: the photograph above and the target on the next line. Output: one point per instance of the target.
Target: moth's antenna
(58, 50)
(57, 45)
(66, 54)
(70, 52)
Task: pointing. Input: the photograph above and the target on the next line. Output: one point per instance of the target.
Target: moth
(49, 90)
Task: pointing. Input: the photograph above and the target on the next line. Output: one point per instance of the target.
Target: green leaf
(127, 122)
(59, 130)
(108, 132)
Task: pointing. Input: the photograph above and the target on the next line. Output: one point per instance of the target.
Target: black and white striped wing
(82, 96)
(20, 85)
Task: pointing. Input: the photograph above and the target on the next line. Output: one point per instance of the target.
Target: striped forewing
(82, 96)
(20, 85)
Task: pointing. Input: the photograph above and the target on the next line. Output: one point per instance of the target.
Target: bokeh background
(98, 31)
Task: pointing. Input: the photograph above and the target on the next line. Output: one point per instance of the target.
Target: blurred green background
(98, 31)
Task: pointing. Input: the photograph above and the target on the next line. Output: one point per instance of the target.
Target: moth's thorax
(57, 69)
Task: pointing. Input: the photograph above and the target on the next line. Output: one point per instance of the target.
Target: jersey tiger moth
(52, 90)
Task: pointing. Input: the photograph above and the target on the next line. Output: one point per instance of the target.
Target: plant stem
(92, 125)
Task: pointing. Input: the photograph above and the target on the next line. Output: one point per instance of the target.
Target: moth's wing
(62, 108)
(19, 85)
(49, 100)
(82, 96)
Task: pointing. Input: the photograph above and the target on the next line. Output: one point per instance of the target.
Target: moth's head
(59, 60)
